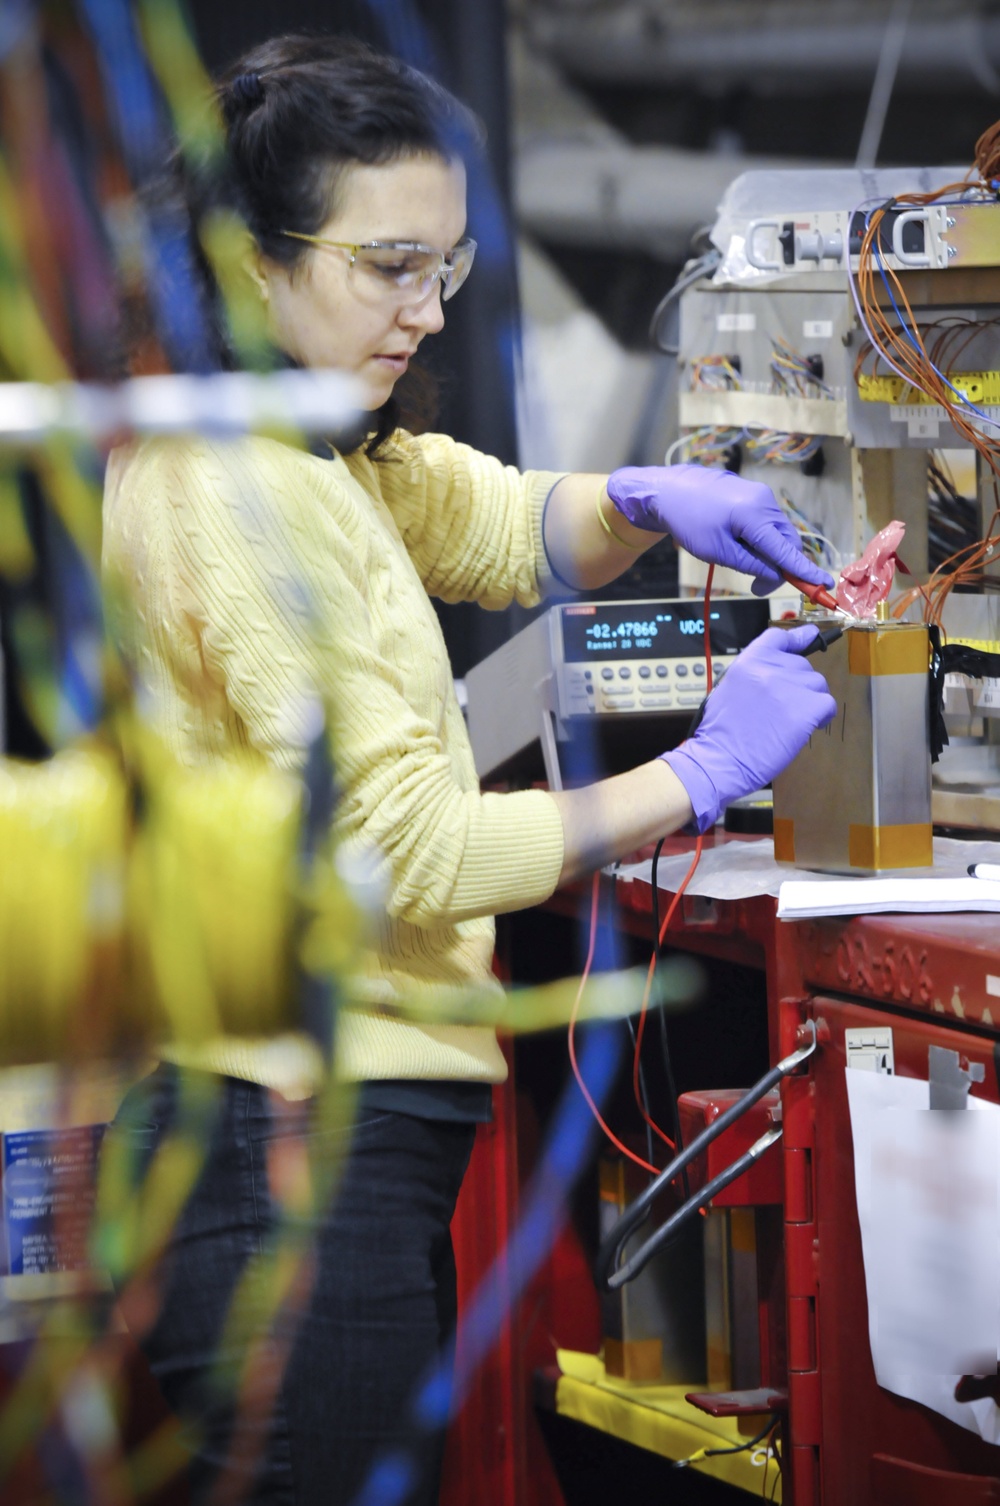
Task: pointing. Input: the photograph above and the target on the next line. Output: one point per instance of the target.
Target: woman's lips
(394, 363)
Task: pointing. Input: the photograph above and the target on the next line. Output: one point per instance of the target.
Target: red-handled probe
(818, 595)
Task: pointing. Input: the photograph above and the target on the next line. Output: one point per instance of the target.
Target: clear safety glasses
(405, 271)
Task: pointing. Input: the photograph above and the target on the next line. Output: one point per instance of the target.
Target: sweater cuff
(513, 857)
(544, 484)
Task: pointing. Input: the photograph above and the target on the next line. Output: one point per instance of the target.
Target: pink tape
(869, 580)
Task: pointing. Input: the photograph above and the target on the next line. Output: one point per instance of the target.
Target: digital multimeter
(593, 661)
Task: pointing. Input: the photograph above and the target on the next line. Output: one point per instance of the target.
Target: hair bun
(247, 89)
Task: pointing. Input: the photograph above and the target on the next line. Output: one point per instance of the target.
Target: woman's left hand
(718, 516)
(755, 722)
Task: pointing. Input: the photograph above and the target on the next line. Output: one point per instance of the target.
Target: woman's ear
(253, 266)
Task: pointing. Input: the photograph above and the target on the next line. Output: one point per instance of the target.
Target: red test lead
(818, 595)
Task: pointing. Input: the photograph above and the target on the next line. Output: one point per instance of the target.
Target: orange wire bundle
(907, 352)
(964, 568)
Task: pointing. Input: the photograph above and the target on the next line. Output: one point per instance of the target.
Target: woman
(261, 577)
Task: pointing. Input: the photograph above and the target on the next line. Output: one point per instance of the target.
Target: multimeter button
(624, 673)
(590, 690)
(690, 700)
(658, 701)
(621, 705)
(586, 674)
(699, 669)
(662, 670)
(644, 671)
(607, 673)
(616, 690)
(681, 670)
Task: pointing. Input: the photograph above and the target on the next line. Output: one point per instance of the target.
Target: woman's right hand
(754, 723)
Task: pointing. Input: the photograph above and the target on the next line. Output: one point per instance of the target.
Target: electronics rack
(780, 381)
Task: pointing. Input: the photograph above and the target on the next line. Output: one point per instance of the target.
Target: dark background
(463, 42)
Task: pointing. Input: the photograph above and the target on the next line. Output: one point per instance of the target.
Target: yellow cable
(186, 929)
(212, 898)
(62, 837)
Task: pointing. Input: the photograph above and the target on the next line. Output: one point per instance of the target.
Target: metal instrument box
(742, 1240)
(857, 799)
(584, 666)
(654, 1327)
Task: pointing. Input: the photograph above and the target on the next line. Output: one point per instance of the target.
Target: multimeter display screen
(658, 630)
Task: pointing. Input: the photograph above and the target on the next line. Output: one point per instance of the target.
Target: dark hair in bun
(247, 89)
(297, 111)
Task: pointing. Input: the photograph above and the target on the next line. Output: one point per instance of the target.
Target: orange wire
(644, 1008)
(672, 909)
(971, 558)
(917, 366)
(571, 1039)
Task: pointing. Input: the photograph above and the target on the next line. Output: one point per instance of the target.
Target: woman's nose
(427, 316)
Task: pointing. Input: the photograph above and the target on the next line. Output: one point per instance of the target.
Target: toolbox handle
(608, 1273)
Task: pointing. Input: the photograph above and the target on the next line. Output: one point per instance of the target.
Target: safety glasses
(405, 271)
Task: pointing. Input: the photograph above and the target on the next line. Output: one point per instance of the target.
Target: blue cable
(144, 138)
(564, 1158)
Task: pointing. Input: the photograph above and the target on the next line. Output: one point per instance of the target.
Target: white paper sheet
(870, 896)
(739, 870)
(927, 1190)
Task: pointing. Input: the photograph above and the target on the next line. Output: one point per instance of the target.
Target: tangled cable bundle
(212, 900)
(62, 835)
(904, 348)
(791, 375)
(185, 922)
(923, 360)
(964, 568)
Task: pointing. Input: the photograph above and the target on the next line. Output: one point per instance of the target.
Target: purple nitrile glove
(722, 518)
(754, 722)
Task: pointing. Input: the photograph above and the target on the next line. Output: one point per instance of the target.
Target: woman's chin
(377, 390)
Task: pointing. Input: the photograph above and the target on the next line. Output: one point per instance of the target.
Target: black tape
(936, 729)
(953, 659)
(960, 659)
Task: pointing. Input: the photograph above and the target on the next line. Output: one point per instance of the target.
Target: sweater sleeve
(473, 527)
(271, 588)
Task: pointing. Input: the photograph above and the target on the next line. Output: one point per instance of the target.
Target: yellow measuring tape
(975, 386)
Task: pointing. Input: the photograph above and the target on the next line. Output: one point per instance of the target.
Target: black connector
(732, 458)
(815, 365)
(786, 240)
(815, 465)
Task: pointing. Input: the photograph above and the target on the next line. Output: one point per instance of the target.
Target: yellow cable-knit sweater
(255, 577)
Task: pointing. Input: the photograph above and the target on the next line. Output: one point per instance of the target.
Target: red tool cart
(932, 982)
(920, 981)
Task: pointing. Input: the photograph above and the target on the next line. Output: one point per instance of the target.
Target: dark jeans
(338, 1368)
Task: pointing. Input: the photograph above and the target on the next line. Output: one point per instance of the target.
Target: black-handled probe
(820, 644)
(824, 638)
